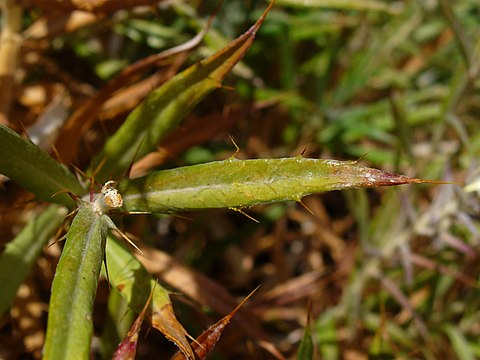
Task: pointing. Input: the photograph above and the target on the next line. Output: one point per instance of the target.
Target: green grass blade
(362, 5)
(70, 328)
(306, 348)
(26, 164)
(459, 343)
(134, 283)
(236, 183)
(166, 106)
(21, 252)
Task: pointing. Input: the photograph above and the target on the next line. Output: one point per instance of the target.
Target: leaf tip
(253, 30)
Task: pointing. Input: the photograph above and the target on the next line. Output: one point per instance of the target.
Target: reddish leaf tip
(254, 28)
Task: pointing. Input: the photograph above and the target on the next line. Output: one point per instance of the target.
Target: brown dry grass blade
(164, 320)
(55, 23)
(205, 343)
(10, 45)
(128, 347)
(94, 6)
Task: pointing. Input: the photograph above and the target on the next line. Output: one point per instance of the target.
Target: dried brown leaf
(94, 6)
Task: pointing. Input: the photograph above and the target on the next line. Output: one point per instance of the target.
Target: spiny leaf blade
(236, 183)
(205, 343)
(70, 327)
(26, 164)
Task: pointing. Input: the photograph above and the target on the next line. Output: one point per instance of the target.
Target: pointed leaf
(70, 327)
(130, 278)
(166, 106)
(205, 343)
(21, 252)
(128, 347)
(26, 164)
(84, 117)
(305, 350)
(236, 183)
(206, 292)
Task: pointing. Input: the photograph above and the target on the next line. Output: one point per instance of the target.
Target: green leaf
(117, 323)
(380, 348)
(236, 183)
(459, 343)
(166, 106)
(70, 327)
(21, 252)
(362, 5)
(26, 164)
(306, 348)
(134, 283)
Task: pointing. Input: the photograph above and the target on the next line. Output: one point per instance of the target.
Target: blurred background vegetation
(384, 273)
